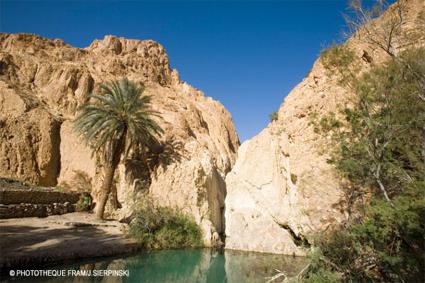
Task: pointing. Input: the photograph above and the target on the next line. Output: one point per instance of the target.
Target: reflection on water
(201, 265)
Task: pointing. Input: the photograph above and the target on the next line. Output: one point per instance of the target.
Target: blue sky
(246, 54)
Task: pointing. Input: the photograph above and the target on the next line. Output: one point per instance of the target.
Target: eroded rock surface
(44, 81)
(282, 190)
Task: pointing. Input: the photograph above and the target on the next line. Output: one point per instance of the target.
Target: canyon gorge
(271, 194)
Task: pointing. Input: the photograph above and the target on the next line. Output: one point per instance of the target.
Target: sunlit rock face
(282, 190)
(44, 81)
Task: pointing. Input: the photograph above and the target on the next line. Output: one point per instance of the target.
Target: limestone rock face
(29, 144)
(42, 84)
(282, 190)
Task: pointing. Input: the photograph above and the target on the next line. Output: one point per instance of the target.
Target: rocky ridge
(282, 190)
(44, 81)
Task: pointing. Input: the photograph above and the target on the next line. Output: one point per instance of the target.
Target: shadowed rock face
(44, 81)
(282, 190)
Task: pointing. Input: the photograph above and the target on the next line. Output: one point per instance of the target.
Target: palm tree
(113, 123)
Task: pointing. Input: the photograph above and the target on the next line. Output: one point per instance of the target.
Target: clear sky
(246, 54)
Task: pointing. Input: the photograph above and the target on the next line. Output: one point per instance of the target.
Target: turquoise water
(198, 265)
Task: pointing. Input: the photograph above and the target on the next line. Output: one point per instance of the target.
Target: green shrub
(379, 148)
(274, 116)
(322, 275)
(337, 56)
(329, 122)
(340, 60)
(317, 270)
(385, 138)
(387, 244)
(84, 202)
(165, 228)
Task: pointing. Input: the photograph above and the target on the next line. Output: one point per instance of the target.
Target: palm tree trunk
(117, 149)
(105, 190)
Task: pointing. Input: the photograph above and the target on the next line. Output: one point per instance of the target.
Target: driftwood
(280, 274)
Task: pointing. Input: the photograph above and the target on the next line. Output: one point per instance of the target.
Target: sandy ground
(29, 242)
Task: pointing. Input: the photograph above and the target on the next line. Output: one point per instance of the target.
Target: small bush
(340, 60)
(329, 122)
(337, 56)
(165, 228)
(84, 203)
(273, 116)
(325, 124)
(317, 271)
(386, 245)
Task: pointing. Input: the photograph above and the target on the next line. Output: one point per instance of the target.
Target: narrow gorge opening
(216, 199)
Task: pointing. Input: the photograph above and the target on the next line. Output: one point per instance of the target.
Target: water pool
(196, 265)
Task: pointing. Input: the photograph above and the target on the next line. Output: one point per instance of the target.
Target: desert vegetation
(113, 123)
(164, 228)
(273, 116)
(379, 148)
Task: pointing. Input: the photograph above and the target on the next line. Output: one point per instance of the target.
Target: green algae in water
(185, 266)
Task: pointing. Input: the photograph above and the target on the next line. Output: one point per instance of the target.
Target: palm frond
(119, 112)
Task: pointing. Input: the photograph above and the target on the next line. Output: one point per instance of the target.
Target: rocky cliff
(42, 84)
(282, 190)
